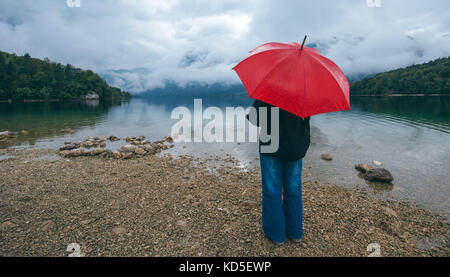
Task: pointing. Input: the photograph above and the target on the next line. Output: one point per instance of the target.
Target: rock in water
(67, 131)
(169, 139)
(379, 175)
(7, 134)
(363, 167)
(326, 157)
(377, 163)
(128, 148)
(113, 138)
(140, 151)
(67, 147)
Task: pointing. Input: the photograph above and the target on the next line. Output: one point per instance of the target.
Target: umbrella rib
(273, 69)
(254, 55)
(333, 77)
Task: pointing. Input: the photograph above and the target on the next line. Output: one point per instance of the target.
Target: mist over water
(409, 135)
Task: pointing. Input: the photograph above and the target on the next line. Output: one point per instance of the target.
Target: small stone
(97, 151)
(140, 151)
(389, 211)
(67, 147)
(113, 138)
(127, 155)
(74, 153)
(377, 163)
(169, 139)
(181, 223)
(128, 148)
(326, 157)
(117, 154)
(47, 225)
(7, 224)
(379, 175)
(117, 231)
(363, 167)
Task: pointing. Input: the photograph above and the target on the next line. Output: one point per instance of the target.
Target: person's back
(294, 133)
(281, 170)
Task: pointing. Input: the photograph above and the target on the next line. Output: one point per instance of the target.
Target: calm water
(410, 135)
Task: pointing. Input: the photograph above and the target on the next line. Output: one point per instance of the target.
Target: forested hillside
(23, 77)
(428, 78)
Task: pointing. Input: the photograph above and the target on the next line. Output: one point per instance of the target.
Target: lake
(409, 135)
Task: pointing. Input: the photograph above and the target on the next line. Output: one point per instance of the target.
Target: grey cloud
(139, 45)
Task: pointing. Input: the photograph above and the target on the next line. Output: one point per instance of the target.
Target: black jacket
(294, 133)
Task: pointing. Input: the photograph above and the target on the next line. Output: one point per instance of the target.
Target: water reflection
(410, 135)
(45, 120)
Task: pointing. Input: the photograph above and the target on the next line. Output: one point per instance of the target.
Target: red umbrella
(294, 78)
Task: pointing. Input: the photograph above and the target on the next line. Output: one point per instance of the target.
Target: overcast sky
(153, 41)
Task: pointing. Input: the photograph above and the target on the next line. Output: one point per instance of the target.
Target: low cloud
(140, 45)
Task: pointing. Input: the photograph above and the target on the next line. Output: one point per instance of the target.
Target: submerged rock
(67, 131)
(379, 175)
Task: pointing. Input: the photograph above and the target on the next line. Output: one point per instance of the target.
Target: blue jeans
(282, 210)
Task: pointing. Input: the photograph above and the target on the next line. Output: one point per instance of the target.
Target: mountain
(23, 77)
(427, 78)
(195, 89)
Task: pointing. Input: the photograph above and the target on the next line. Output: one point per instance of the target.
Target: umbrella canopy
(294, 78)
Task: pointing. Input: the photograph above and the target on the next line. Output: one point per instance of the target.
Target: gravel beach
(185, 206)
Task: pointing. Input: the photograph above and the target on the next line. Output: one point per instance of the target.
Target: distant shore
(56, 100)
(165, 206)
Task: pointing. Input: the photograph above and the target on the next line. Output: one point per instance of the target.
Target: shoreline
(165, 206)
(357, 95)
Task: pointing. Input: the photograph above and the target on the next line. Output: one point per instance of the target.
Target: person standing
(281, 172)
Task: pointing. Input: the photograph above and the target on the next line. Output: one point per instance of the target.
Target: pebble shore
(165, 206)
